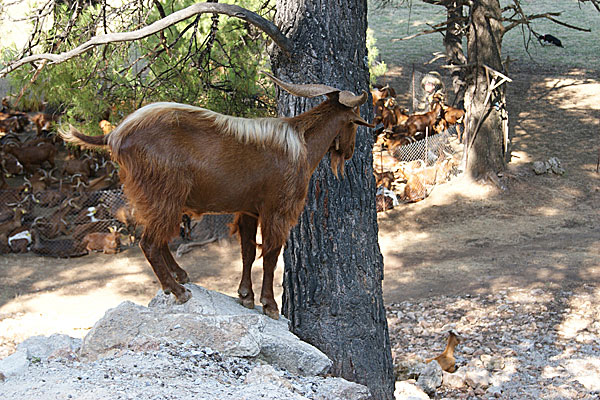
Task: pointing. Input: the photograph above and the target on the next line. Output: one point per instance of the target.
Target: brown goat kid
(106, 242)
(177, 159)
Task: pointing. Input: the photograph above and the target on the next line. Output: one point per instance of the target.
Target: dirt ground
(543, 231)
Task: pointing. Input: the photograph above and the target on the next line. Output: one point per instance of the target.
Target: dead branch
(216, 8)
(441, 27)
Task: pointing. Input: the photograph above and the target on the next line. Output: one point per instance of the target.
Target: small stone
(492, 363)
(539, 167)
(494, 391)
(407, 390)
(476, 377)
(430, 378)
(455, 380)
(408, 368)
(555, 166)
(15, 364)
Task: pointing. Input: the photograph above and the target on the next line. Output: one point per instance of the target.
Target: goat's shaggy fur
(263, 132)
(176, 159)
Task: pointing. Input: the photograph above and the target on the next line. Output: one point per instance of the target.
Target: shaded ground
(544, 231)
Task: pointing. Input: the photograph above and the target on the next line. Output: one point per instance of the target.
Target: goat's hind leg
(154, 255)
(247, 226)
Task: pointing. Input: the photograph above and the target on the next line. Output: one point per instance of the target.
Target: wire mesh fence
(409, 172)
(60, 224)
(429, 149)
(56, 223)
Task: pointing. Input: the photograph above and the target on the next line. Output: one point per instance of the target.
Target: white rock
(43, 347)
(408, 367)
(208, 319)
(405, 390)
(15, 364)
(586, 371)
(539, 167)
(455, 380)
(494, 391)
(266, 374)
(492, 363)
(477, 377)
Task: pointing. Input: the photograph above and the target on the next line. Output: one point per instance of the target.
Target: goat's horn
(346, 98)
(302, 90)
(349, 99)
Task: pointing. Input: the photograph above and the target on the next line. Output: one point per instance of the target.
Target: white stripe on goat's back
(267, 132)
(271, 132)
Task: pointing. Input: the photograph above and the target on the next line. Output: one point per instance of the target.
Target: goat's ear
(359, 121)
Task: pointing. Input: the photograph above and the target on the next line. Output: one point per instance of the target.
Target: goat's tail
(89, 142)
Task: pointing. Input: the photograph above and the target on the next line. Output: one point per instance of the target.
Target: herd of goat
(397, 128)
(54, 206)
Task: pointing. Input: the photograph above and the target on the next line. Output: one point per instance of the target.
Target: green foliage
(376, 67)
(205, 61)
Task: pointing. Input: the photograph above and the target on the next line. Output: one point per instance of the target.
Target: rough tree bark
(333, 264)
(485, 122)
(454, 51)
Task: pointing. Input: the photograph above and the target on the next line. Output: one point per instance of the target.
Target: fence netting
(408, 173)
(58, 224)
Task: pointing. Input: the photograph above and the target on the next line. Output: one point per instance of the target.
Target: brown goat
(382, 92)
(420, 122)
(10, 164)
(32, 157)
(10, 221)
(83, 167)
(106, 242)
(63, 248)
(385, 179)
(446, 359)
(177, 159)
(106, 126)
(43, 123)
(389, 113)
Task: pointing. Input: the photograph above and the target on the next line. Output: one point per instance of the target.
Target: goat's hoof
(247, 302)
(183, 297)
(271, 312)
(182, 278)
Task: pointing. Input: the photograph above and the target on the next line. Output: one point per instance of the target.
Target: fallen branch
(187, 247)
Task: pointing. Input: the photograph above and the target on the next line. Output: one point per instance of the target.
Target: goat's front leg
(154, 255)
(176, 271)
(267, 296)
(247, 227)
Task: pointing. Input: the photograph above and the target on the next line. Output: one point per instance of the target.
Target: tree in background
(478, 75)
(209, 60)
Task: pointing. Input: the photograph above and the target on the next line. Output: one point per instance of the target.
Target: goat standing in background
(177, 159)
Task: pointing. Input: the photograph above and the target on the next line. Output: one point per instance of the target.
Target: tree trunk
(485, 122)
(333, 264)
(454, 51)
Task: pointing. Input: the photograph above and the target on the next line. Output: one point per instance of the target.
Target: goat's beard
(337, 163)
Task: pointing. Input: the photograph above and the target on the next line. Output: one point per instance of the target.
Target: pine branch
(228, 9)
